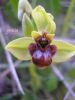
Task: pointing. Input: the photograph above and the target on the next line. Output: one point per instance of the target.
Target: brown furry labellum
(41, 51)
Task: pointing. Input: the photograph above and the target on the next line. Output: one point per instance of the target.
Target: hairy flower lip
(53, 49)
(42, 59)
(32, 47)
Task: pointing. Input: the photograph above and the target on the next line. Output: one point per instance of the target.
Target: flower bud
(24, 7)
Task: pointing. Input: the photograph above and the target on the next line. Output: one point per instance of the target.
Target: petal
(50, 36)
(35, 34)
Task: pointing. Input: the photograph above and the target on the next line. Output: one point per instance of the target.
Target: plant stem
(68, 17)
(8, 56)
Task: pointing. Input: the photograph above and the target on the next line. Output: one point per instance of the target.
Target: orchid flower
(38, 43)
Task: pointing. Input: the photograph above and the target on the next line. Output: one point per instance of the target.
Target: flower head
(42, 51)
(41, 48)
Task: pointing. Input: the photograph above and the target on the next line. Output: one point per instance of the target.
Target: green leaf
(35, 79)
(65, 51)
(55, 6)
(71, 73)
(28, 96)
(27, 25)
(51, 84)
(68, 17)
(44, 73)
(43, 20)
(19, 48)
(10, 14)
(14, 4)
(52, 6)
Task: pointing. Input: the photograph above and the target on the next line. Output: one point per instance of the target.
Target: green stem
(68, 18)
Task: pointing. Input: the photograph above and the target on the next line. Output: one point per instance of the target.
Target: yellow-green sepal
(27, 25)
(43, 20)
(65, 51)
(19, 48)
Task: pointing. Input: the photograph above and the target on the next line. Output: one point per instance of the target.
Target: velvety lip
(42, 52)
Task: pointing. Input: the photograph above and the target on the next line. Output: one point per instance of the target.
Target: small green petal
(35, 34)
(50, 36)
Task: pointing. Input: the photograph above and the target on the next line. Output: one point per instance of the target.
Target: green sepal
(44, 21)
(65, 51)
(19, 48)
(27, 25)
